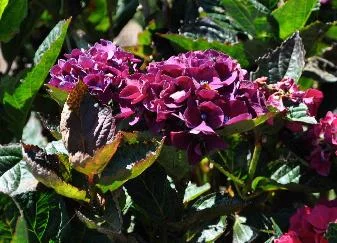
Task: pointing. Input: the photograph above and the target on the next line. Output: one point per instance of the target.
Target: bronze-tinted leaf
(88, 131)
(44, 167)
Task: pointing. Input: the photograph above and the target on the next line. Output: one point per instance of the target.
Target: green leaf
(9, 214)
(287, 174)
(154, 198)
(45, 215)
(241, 232)
(193, 191)
(88, 131)
(331, 233)
(209, 232)
(59, 95)
(46, 169)
(21, 234)
(245, 125)
(32, 132)
(249, 15)
(18, 103)
(293, 15)
(299, 113)
(285, 61)
(3, 5)
(11, 18)
(15, 177)
(187, 44)
(174, 162)
(129, 162)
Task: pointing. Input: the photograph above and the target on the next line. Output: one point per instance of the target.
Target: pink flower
(290, 237)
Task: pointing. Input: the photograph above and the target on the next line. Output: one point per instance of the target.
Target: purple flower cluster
(323, 138)
(102, 67)
(189, 97)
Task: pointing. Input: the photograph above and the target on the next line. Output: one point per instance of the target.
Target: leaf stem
(255, 158)
(227, 173)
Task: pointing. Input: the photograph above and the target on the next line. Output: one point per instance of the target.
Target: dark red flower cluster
(323, 140)
(308, 225)
(191, 96)
(102, 67)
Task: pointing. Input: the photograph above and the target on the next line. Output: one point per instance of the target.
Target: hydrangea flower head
(102, 67)
(191, 96)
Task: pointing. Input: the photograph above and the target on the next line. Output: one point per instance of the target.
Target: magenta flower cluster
(102, 67)
(323, 140)
(285, 93)
(308, 225)
(190, 96)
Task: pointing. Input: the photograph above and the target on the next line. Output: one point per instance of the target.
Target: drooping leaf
(242, 233)
(293, 15)
(249, 15)
(299, 113)
(193, 191)
(46, 169)
(15, 177)
(17, 104)
(21, 234)
(331, 233)
(3, 5)
(245, 125)
(285, 61)
(11, 17)
(129, 162)
(88, 131)
(183, 43)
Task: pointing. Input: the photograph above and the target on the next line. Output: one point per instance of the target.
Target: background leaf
(293, 15)
(18, 103)
(242, 233)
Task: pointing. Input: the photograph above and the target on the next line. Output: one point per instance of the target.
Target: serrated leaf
(3, 5)
(21, 234)
(12, 16)
(129, 162)
(88, 131)
(242, 233)
(245, 125)
(293, 15)
(45, 168)
(299, 113)
(193, 191)
(285, 61)
(187, 44)
(17, 104)
(15, 177)
(331, 233)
